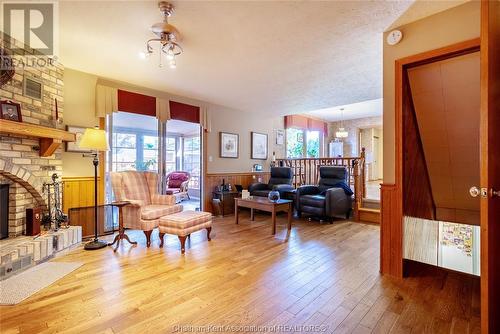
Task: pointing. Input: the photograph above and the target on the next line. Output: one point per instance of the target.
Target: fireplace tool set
(54, 218)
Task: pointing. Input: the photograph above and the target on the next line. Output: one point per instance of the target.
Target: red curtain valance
(146, 105)
(306, 123)
(184, 112)
(296, 121)
(136, 103)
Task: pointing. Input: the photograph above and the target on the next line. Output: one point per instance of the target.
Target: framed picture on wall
(11, 111)
(229, 145)
(280, 137)
(75, 146)
(259, 146)
(300, 137)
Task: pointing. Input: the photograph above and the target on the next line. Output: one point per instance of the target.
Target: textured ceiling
(423, 8)
(370, 108)
(276, 57)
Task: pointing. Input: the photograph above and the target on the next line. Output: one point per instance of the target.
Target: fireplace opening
(4, 211)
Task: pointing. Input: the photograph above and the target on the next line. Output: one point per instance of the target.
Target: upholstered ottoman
(182, 224)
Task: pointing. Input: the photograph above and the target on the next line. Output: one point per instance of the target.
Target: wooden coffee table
(263, 204)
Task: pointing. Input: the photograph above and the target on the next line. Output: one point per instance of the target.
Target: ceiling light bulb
(173, 64)
(143, 55)
(170, 56)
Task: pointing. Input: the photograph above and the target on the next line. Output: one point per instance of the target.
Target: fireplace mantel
(50, 138)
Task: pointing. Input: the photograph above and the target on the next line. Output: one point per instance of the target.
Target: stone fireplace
(21, 165)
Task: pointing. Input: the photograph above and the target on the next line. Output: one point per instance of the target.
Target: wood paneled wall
(79, 192)
(417, 193)
(84, 216)
(215, 179)
(391, 231)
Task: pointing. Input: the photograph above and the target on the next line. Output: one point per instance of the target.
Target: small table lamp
(95, 140)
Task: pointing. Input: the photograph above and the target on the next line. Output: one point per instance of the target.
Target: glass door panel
(192, 160)
(171, 154)
(134, 142)
(183, 153)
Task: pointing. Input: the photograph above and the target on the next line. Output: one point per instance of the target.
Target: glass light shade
(94, 139)
(341, 133)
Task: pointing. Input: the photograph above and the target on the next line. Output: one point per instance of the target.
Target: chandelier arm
(154, 40)
(175, 53)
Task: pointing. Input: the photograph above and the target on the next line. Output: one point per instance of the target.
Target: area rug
(17, 288)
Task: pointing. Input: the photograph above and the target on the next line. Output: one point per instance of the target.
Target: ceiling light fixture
(168, 38)
(341, 133)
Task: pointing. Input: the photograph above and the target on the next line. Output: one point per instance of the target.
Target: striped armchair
(147, 205)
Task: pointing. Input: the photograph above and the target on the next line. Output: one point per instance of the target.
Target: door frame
(391, 229)
(490, 174)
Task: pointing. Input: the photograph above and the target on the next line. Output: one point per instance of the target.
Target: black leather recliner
(281, 180)
(328, 199)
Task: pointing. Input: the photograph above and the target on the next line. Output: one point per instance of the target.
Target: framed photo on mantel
(11, 111)
(229, 145)
(259, 146)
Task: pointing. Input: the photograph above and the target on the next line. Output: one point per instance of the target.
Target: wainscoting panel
(243, 179)
(391, 231)
(79, 192)
(107, 219)
(420, 240)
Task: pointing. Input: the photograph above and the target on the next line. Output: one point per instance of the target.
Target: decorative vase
(274, 196)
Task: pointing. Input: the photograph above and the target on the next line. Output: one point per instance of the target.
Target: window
(294, 143)
(313, 146)
(301, 143)
(124, 151)
(134, 147)
(149, 159)
(191, 162)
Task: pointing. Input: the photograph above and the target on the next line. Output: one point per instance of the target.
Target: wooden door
(490, 166)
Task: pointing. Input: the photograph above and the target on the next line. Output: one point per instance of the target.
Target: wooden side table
(121, 230)
(227, 200)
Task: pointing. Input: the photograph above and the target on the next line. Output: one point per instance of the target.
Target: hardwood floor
(324, 275)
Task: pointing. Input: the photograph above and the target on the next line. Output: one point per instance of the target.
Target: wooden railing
(306, 171)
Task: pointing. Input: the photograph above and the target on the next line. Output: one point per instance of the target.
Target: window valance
(305, 123)
(106, 100)
(110, 99)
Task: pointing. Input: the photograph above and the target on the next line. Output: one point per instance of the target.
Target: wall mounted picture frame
(229, 145)
(280, 137)
(75, 146)
(10, 111)
(259, 146)
(6, 72)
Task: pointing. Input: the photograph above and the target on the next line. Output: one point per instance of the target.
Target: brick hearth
(20, 164)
